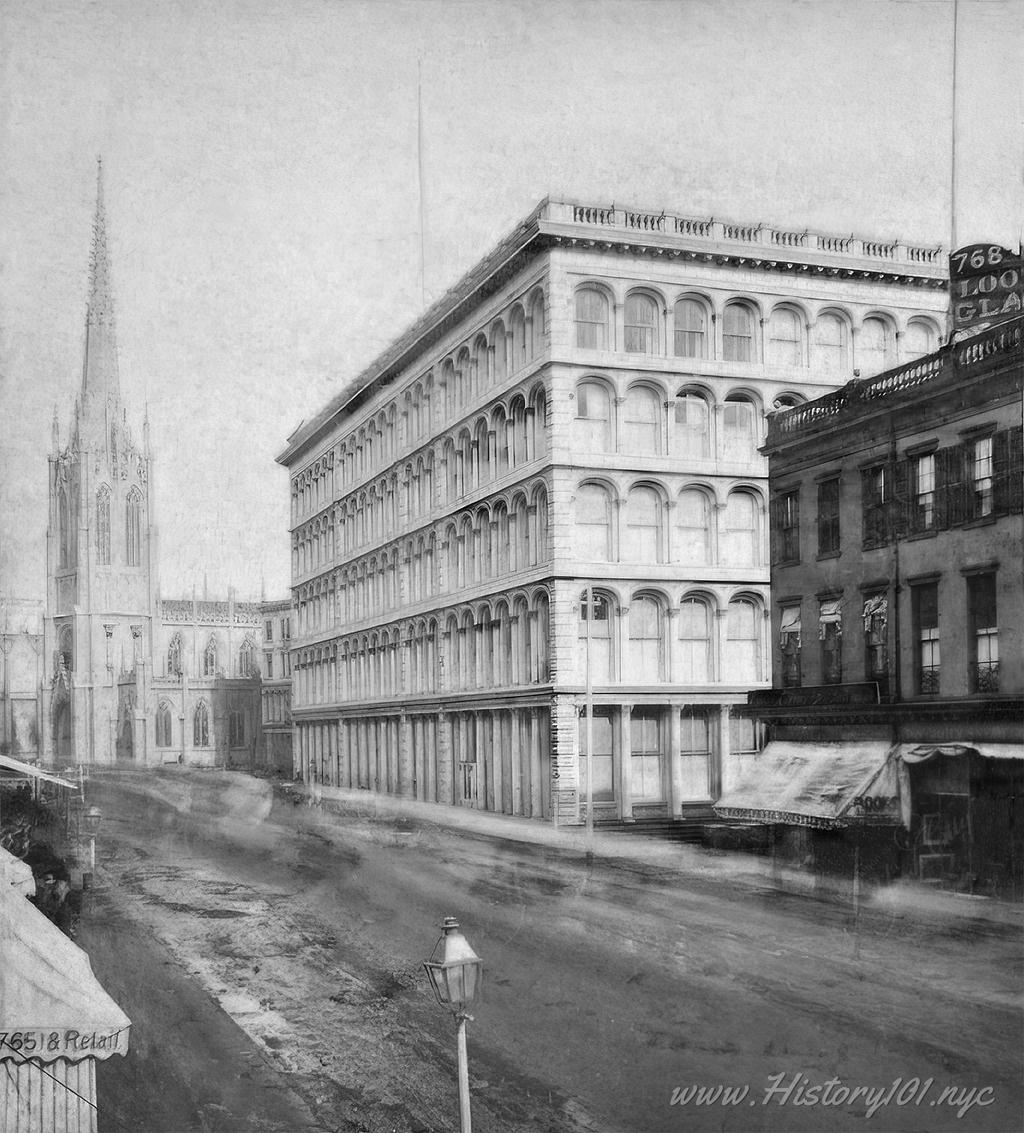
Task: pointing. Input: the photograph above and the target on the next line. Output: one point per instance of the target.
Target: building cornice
(634, 231)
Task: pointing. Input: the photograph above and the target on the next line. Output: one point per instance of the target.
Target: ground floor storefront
(648, 758)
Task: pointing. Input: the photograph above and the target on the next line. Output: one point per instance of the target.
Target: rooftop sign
(986, 285)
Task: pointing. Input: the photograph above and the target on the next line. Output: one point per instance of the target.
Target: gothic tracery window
(103, 526)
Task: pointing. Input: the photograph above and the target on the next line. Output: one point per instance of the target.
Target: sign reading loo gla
(986, 285)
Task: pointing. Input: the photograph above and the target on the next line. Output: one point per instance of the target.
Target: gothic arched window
(163, 726)
(247, 658)
(174, 656)
(210, 658)
(103, 526)
(64, 527)
(133, 525)
(201, 726)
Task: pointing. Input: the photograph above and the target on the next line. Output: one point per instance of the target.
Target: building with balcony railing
(581, 412)
(898, 607)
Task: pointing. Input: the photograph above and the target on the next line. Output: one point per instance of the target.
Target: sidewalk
(756, 873)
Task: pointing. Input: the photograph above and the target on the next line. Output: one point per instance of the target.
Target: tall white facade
(581, 413)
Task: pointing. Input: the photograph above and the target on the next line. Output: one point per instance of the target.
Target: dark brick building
(898, 617)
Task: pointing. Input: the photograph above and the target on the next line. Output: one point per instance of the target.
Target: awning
(921, 753)
(52, 1007)
(876, 607)
(34, 772)
(826, 785)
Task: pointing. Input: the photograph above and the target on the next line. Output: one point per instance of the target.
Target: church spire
(101, 392)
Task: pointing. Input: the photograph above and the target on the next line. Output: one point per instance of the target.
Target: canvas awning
(790, 622)
(826, 785)
(52, 1007)
(921, 753)
(31, 771)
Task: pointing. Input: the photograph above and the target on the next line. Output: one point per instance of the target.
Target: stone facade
(580, 415)
(131, 675)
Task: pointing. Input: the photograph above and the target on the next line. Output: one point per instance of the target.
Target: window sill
(822, 556)
(917, 535)
(984, 521)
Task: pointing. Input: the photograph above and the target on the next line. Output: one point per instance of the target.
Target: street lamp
(91, 818)
(455, 972)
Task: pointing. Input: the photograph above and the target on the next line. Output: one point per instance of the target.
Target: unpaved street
(607, 986)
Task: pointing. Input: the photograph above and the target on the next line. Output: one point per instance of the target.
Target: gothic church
(135, 677)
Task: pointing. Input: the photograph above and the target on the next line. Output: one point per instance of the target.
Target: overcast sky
(261, 183)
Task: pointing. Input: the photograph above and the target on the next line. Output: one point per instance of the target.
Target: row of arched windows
(246, 665)
(690, 423)
(497, 644)
(499, 443)
(495, 539)
(652, 639)
(693, 325)
(164, 727)
(646, 524)
(481, 363)
(67, 553)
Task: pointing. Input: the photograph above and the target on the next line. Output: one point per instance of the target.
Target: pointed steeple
(101, 387)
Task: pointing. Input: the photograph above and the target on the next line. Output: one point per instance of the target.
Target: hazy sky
(261, 185)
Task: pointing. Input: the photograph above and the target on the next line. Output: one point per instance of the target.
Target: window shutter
(775, 528)
(902, 504)
(1008, 471)
(865, 503)
(945, 467)
(958, 489)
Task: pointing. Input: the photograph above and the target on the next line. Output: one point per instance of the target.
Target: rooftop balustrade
(858, 397)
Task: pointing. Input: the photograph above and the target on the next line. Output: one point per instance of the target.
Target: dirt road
(611, 989)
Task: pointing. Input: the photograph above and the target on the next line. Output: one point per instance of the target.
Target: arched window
(498, 346)
(210, 658)
(641, 421)
(874, 346)
(739, 531)
(174, 656)
(103, 526)
(738, 334)
(65, 647)
(646, 659)
(692, 435)
(785, 340)
(918, 340)
(739, 430)
(593, 426)
(693, 528)
(829, 345)
(517, 324)
(540, 509)
(643, 526)
(743, 642)
(201, 726)
(247, 658)
(641, 317)
(537, 325)
(690, 329)
(594, 523)
(599, 620)
(501, 534)
(592, 329)
(133, 523)
(694, 642)
(163, 726)
(64, 527)
(539, 405)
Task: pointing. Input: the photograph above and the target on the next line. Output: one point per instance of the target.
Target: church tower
(100, 552)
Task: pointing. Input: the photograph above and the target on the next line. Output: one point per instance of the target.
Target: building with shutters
(581, 414)
(898, 603)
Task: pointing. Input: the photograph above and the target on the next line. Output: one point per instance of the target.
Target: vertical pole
(590, 724)
(856, 898)
(460, 1033)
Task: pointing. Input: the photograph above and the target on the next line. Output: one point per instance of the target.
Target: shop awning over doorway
(921, 753)
(30, 771)
(52, 1007)
(824, 785)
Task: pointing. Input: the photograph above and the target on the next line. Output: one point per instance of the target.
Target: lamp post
(92, 819)
(455, 972)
